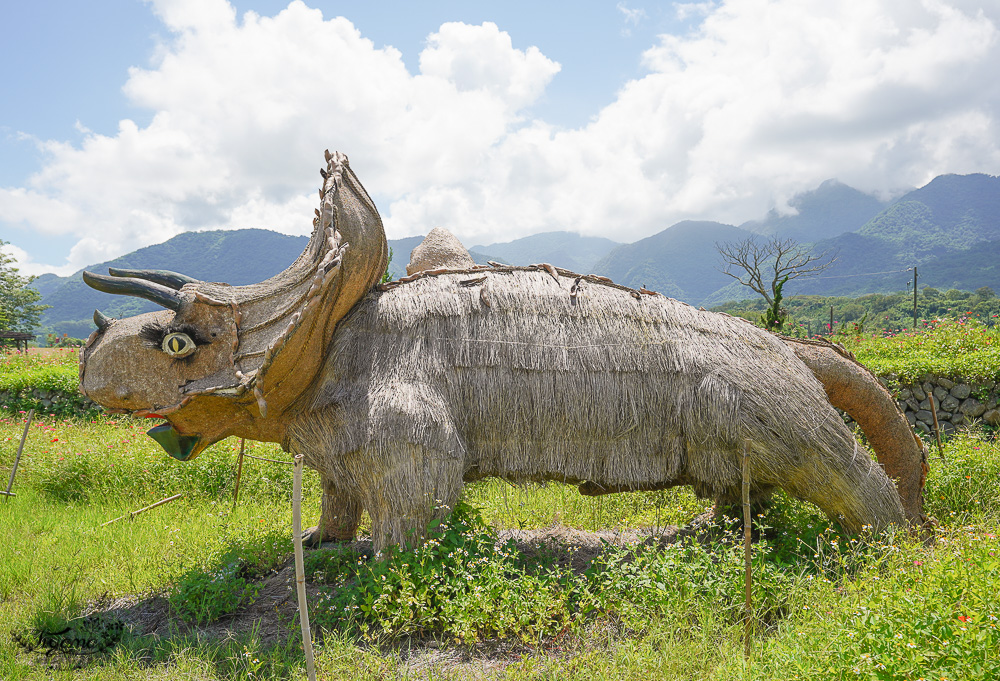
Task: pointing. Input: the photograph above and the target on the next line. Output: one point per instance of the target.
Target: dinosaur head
(224, 360)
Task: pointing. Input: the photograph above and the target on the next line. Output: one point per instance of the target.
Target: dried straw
(426, 386)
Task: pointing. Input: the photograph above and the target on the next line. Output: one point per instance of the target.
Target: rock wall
(958, 402)
(47, 402)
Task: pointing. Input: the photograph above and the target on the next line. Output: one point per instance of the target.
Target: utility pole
(914, 297)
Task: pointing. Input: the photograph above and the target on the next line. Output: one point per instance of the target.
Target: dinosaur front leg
(339, 518)
(415, 486)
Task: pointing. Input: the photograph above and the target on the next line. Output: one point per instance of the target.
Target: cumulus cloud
(757, 102)
(632, 16)
(243, 108)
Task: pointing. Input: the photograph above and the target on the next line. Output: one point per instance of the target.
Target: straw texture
(533, 376)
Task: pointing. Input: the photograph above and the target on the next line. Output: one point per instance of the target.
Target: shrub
(963, 348)
(47, 385)
(223, 583)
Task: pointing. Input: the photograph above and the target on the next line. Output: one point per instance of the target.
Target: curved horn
(166, 278)
(161, 295)
(102, 320)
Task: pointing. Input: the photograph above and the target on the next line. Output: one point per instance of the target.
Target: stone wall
(958, 402)
(47, 401)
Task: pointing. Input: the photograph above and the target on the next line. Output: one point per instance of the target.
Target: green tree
(765, 267)
(775, 315)
(19, 307)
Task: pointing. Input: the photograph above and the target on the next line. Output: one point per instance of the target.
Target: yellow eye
(178, 345)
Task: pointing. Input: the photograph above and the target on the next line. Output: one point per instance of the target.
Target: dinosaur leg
(728, 506)
(854, 389)
(339, 517)
(416, 486)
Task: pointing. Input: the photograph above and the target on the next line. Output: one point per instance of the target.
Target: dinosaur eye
(178, 344)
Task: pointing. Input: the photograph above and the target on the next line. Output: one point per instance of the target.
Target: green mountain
(823, 213)
(237, 257)
(680, 262)
(243, 256)
(949, 229)
(562, 249)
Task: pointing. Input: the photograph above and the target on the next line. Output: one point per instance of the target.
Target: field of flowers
(963, 347)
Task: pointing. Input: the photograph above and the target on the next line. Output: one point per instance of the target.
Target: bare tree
(765, 266)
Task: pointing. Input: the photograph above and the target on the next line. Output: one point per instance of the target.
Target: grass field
(468, 604)
(963, 347)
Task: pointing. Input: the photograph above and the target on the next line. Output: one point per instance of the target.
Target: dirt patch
(269, 617)
(272, 615)
(566, 547)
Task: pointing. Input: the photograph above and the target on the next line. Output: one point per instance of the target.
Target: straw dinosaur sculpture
(398, 393)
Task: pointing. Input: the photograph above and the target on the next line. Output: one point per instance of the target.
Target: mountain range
(949, 229)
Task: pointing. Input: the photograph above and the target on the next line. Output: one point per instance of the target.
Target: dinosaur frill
(278, 330)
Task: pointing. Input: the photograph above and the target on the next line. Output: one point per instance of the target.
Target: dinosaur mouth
(181, 447)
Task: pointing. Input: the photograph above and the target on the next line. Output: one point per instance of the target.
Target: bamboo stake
(748, 605)
(20, 448)
(937, 429)
(239, 471)
(143, 510)
(300, 572)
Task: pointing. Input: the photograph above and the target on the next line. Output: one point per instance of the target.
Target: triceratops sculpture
(398, 393)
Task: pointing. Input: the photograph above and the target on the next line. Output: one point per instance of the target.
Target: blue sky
(123, 124)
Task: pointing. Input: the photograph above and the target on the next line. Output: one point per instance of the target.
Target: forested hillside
(949, 229)
(875, 312)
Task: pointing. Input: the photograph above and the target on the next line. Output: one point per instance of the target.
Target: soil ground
(272, 614)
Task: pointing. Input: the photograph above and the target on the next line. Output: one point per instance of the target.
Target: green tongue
(176, 445)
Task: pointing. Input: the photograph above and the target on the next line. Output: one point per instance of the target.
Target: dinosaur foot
(315, 536)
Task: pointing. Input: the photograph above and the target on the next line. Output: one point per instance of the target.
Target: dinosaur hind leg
(339, 518)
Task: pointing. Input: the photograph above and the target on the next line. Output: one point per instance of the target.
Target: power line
(863, 274)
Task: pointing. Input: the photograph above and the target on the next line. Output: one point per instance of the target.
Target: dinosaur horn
(161, 295)
(164, 277)
(102, 320)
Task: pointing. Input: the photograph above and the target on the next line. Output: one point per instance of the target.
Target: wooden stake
(748, 605)
(239, 471)
(143, 510)
(300, 572)
(20, 448)
(937, 429)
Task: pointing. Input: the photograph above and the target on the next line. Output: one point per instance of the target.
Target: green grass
(825, 603)
(964, 348)
(55, 371)
(827, 606)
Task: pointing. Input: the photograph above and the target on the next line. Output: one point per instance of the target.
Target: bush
(223, 584)
(459, 584)
(49, 385)
(965, 348)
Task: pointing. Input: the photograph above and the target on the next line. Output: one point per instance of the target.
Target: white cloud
(26, 265)
(481, 58)
(759, 101)
(632, 16)
(689, 10)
